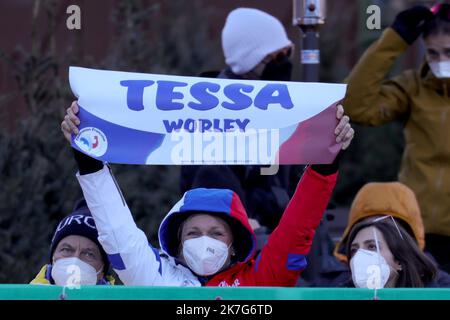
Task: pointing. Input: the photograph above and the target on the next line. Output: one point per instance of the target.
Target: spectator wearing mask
(382, 254)
(376, 200)
(421, 99)
(76, 256)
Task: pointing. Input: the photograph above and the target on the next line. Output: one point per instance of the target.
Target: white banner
(160, 119)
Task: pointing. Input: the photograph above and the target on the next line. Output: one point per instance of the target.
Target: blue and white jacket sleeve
(129, 252)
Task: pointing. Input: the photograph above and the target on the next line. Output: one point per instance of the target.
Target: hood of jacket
(222, 203)
(384, 198)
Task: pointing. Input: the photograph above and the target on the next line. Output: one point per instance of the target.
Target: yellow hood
(377, 198)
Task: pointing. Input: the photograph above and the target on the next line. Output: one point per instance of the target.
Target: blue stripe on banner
(296, 262)
(208, 200)
(116, 261)
(119, 140)
(158, 258)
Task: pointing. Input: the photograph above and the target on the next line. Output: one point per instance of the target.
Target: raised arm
(283, 258)
(129, 252)
(371, 98)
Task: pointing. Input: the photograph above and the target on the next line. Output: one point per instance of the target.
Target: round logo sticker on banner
(92, 141)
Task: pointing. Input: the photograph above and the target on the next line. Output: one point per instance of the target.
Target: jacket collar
(442, 86)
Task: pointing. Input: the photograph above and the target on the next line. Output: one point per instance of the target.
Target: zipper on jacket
(117, 185)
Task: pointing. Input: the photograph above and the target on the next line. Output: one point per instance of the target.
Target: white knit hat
(248, 36)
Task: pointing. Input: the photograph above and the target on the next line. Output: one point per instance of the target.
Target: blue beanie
(81, 223)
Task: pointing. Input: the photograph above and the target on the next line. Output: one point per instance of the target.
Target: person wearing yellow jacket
(76, 256)
(421, 98)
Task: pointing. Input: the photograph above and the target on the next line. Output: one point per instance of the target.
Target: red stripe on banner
(314, 141)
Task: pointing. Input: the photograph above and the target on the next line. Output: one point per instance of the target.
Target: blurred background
(179, 37)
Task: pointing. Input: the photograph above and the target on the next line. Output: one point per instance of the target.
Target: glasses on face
(393, 221)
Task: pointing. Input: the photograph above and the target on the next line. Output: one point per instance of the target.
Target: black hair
(344, 241)
(440, 23)
(417, 269)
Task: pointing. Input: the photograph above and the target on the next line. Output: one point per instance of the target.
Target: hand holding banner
(140, 118)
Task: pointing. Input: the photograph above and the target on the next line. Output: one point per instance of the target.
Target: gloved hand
(409, 24)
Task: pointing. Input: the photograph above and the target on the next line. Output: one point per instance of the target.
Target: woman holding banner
(206, 239)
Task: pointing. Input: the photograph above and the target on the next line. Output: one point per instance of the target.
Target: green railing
(44, 292)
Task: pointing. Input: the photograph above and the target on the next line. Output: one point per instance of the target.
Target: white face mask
(204, 255)
(369, 269)
(73, 272)
(440, 69)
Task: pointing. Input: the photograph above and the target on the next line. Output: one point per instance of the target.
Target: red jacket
(283, 258)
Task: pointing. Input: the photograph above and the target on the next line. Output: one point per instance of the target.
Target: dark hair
(342, 249)
(417, 269)
(440, 23)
